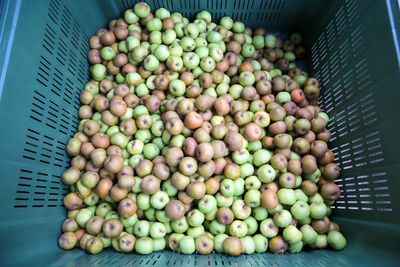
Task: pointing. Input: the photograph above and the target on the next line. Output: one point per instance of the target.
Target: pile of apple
(198, 137)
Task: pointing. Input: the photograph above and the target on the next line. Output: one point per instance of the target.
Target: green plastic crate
(352, 48)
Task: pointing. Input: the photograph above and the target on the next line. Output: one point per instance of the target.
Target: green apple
(207, 204)
(144, 245)
(157, 230)
(309, 234)
(141, 228)
(252, 198)
(168, 37)
(266, 173)
(186, 245)
(195, 217)
(180, 226)
(218, 241)
(282, 218)
(268, 228)
(260, 213)
(296, 247)
(248, 245)
(238, 228)
(195, 231)
(159, 200)
(336, 240)
(252, 225)
(318, 210)
(217, 228)
(227, 187)
(223, 201)
(239, 186)
(191, 60)
(240, 209)
(292, 235)
(286, 196)
(300, 210)
(159, 244)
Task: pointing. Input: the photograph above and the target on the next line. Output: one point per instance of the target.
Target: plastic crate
(352, 48)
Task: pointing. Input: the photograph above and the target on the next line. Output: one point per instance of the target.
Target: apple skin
(260, 213)
(252, 198)
(336, 240)
(180, 226)
(157, 230)
(218, 242)
(266, 173)
(207, 204)
(318, 210)
(144, 245)
(252, 225)
(195, 217)
(83, 217)
(227, 187)
(248, 245)
(300, 210)
(309, 234)
(292, 235)
(142, 228)
(195, 231)
(187, 245)
(282, 219)
(238, 228)
(296, 247)
(268, 228)
(287, 196)
(159, 244)
(321, 242)
(261, 243)
(240, 209)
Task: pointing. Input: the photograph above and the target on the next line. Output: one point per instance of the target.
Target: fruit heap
(197, 136)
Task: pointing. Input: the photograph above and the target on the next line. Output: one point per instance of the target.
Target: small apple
(180, 226)
(218, 242)
(318, 210)
(157, 230)
(191, 60)
(223, 201)
(252, 198)
(296, 247)
(260, 213)
(187, 245)
(195, 217)
(240, 209)
(159, 200)
(144, 245)
(266, 173)
(187, 43)
(292, 235)
(336, 240)
(207, 204)
(300, 210)
(262, 157)
(207, 64)
(83, 217)
(261, 243)
(227, 187)
(248, 245)
(217, 228)
(238, 228)
(309, 234)
(195, 231)
(282, 218)
(159, 244)
(286, 196)
(252, 225)
(142, 228)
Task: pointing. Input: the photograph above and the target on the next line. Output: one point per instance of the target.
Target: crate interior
(351, 49)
